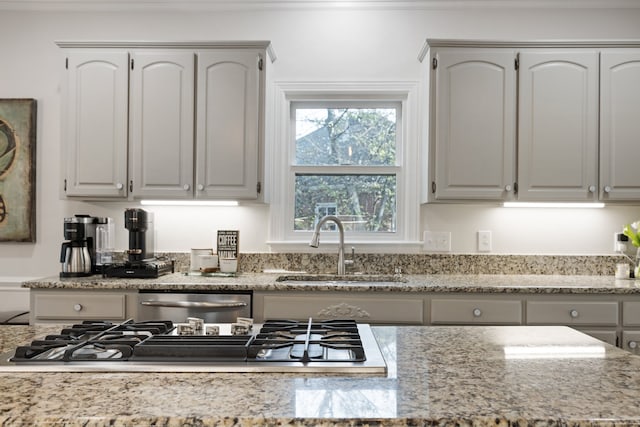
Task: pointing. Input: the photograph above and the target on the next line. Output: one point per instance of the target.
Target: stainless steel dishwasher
(212, 306)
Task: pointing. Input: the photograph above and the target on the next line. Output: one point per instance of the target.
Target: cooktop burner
(275, 346)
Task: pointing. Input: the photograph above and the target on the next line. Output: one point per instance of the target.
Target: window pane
(365, 203)
(345, 136)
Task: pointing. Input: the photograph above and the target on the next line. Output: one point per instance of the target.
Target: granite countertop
(480, 375)
(490, 283)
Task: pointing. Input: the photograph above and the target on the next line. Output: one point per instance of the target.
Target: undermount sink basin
(347, 278)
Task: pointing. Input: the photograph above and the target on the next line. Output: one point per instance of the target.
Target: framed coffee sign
(17, 170)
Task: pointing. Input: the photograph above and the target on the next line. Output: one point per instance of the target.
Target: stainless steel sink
(342, 278)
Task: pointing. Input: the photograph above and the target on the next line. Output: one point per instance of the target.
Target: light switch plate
(437, 241)
(484, 241)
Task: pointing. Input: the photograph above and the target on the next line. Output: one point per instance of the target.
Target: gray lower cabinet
(465, 310)
(59, 305)
(630, 321)
(374, 307)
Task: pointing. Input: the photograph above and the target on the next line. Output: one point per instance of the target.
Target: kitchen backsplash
(422, 263)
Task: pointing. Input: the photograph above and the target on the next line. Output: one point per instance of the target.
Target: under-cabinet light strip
(552, 205)
(189, 202)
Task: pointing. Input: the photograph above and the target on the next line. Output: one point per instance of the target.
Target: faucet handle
(351, 262)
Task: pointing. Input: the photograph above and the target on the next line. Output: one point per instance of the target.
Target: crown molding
(221, 5)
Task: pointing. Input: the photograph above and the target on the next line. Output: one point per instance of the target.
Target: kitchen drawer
(631, 313)
(572, 313)
(366, 309)
(80, 306)
(470, 311)
(631, 341)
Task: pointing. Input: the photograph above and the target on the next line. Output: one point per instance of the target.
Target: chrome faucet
(315, 241)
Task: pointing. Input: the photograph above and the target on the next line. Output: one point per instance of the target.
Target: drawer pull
(574, 313)
(477, 312)
(77, 307)
(633, 344)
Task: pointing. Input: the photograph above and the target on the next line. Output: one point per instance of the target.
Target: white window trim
(278, 155)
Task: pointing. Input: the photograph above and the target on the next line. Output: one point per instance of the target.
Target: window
(345, 165)
(348, 153)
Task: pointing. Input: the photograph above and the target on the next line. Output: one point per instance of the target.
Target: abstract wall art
(17, 170)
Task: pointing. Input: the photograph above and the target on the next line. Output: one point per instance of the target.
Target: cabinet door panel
(162, 122)
(228, 123)
(367, 309)
(619, 125)
(475, 124)
(95, 133)
(558, 124)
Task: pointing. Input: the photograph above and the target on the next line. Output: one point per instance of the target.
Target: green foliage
(354, 137)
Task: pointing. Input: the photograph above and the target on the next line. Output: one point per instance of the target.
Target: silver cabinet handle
(119, 186)
(573, 313)
(507, 187)
(186, 187)
(200, 187)
(77, 307)
(193, 304)
(477, 312)
(607, 189)
(592, 189)
(633, 344)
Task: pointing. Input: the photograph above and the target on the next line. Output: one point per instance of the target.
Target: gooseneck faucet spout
(315, 240)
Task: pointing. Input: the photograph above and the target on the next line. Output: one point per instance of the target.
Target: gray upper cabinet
(620, 125)
(94, 129)
(228, 130)
(474, 137)
(558, 125)
(165, 120)
(162, 117)
(571, 136)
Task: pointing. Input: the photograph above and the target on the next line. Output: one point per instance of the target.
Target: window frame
(281, 167)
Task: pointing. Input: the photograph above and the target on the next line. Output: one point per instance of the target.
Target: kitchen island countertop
(478, 283)
(482, 376)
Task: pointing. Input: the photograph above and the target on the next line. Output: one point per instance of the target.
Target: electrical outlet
(620, 242)
(484, 241)
(437, 241)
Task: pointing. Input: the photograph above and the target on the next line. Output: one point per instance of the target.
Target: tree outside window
(346, 157)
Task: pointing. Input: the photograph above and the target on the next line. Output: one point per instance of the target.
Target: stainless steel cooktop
(333, 346)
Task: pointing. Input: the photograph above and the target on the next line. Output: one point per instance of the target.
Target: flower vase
(636, 266)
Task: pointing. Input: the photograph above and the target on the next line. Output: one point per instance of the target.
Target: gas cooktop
(162, 346)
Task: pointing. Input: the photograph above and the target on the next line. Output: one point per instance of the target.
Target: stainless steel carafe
(77, 252)
(75, 259)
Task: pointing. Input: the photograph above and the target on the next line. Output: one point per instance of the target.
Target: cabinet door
(620, 125)
(558, 125)
(228, 122)
(95, 129)
(162, 123)
(475, 119)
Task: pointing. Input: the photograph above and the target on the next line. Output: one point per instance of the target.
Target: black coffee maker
(76, 253)
(136, 221)
(141, 261)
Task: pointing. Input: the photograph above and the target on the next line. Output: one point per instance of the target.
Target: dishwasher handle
(193, 304)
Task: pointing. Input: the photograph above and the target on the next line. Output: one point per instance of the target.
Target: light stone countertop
(481, 376)
(478, 283)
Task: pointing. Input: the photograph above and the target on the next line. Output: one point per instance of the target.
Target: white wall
(311, 44)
